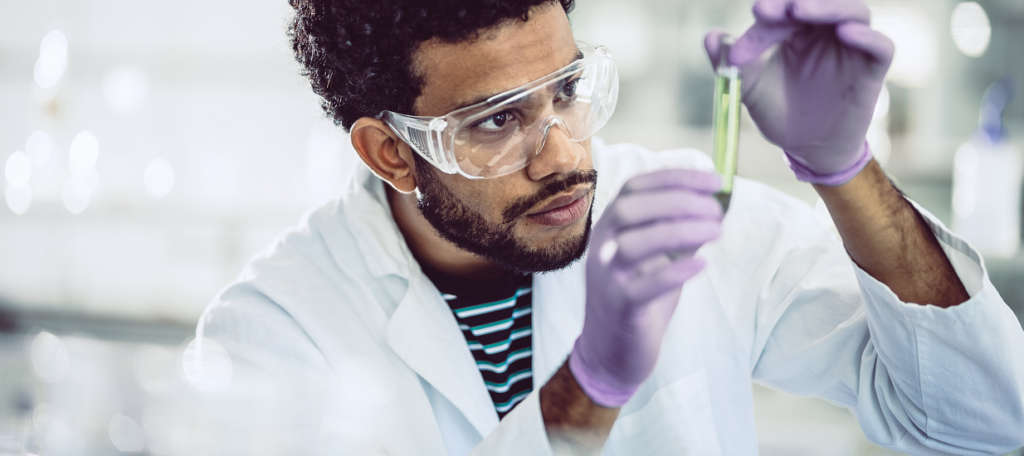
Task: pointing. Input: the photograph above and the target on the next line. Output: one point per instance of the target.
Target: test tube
(726, 120)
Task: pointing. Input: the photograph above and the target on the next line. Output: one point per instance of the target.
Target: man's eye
(568, 91)
(495, 122)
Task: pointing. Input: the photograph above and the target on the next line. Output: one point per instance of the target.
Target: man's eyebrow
(483, 98)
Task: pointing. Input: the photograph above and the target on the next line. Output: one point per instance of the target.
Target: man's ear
(386, 155)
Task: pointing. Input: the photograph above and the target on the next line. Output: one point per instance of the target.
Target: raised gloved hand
(641, 253)
(814, 91)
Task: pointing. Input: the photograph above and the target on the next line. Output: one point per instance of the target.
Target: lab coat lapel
(424, 333)
(558, 301)
(422, 330)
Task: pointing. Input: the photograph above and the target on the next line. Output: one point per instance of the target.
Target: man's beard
(469, 231)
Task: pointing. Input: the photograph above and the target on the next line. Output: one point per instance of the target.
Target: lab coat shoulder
(314, 308)
(289, 288)
(267, 319)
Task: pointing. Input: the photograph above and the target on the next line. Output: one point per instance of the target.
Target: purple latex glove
(813, 92)
(641, 253)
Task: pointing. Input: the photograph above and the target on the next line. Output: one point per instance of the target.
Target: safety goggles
(507, 131)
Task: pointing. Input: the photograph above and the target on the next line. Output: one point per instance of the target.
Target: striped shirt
(495, 318)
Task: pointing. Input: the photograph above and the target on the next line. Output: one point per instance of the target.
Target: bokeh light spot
(39, 148)
(56, 434)
(126, 434)
(18, 199)
(73, 201)
(125, 88)
(53, 59)
(207, 365)
(970, 28)
(49, 357)
(159, 177)
(85, 149)
(18, 169)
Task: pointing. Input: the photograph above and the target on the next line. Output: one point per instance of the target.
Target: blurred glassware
(987, 176)
(912, 30)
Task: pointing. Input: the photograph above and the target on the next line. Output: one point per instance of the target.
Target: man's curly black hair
(357, 54)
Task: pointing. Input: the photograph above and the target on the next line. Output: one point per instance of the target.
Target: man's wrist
(805, 174)
(573, 421)
(601, 393)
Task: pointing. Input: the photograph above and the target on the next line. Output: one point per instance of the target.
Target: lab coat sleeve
(520, 432)
(920, 379)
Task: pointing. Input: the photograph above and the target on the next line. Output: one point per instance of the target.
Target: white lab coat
(338, 311)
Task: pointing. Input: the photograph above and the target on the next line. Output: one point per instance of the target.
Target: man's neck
(428, 247)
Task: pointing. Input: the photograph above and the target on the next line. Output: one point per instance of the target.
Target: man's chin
(544, 237)
(557, 253)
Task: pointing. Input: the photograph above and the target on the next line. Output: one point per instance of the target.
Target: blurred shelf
(17, 321)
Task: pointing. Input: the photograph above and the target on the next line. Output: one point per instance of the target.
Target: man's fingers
(770, 11)
(830, 11)
(713, 44)
(860, 36)
(811, 11)
(660, 238)
(777, 20)
(644, 207)
(700, 181)
(759, 38)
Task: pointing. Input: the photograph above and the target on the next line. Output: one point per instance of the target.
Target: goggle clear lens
(504, 134)
(506, 137)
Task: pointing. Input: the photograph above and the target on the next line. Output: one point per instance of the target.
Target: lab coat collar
(422, 330)
(368, 215)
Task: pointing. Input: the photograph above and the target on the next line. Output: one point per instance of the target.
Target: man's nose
(558, 154)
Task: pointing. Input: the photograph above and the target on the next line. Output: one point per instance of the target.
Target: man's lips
(563, 210)
(560, 201)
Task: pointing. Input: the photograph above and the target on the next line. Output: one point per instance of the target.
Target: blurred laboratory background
(150, 148)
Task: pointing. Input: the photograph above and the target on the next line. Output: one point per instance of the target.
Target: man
(440, 306)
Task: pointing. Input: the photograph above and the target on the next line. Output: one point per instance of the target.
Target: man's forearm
(889, 240)
(575, 424)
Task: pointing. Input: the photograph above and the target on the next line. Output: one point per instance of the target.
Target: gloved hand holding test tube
(726, 120)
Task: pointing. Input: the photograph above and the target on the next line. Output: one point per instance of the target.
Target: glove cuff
(805, 174)
(598, 390)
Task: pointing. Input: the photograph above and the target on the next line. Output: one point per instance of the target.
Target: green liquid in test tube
(726, 121)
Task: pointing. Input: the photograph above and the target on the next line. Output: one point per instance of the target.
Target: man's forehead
(513, 54)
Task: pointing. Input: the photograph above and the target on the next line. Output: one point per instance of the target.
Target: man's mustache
(523, 205)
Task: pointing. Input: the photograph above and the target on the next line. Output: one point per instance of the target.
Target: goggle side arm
(425, 138)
